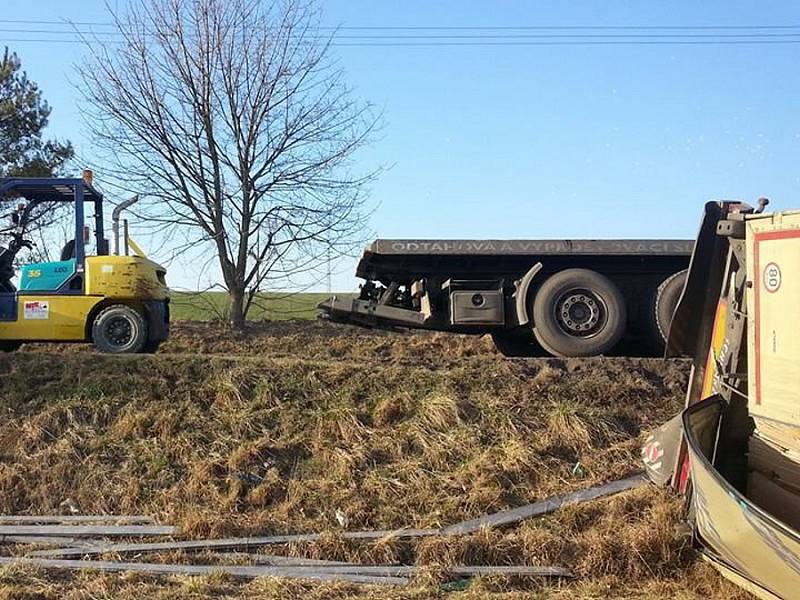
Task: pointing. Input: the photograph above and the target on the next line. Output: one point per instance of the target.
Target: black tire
(578, 312)
(6, 346)
(119, 329)
(512, 345)
(665, 300)
(150, 347)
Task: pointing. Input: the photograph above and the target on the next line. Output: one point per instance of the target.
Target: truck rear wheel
(513, 345)
(119, 329)
(665, 300)
(578, 312)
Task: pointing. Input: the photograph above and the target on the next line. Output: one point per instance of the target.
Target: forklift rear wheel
(119, 329)
(9, 346)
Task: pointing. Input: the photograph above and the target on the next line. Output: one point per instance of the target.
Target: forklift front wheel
(119, 329)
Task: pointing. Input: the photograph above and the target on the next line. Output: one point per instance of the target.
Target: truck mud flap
(661, 450)
(747, 544)
(369, 314)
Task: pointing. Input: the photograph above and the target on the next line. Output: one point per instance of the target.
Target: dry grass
(275, 433)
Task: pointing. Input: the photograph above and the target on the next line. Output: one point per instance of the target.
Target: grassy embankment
(277, 430)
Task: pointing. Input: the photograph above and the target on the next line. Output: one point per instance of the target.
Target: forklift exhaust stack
(115, 222)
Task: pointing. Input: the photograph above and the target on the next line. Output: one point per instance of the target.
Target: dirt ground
(278, 429)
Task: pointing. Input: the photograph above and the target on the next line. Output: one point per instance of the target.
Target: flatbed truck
(534, 297)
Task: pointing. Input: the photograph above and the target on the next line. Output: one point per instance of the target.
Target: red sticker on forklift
(37, 311)
(772, 277)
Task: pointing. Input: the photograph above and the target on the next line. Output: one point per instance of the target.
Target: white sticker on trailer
(37, 310)
(772, 277)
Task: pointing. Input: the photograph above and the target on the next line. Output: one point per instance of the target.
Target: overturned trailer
(562, 297)
(735, 450)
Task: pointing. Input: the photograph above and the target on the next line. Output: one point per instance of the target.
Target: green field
(210, 306)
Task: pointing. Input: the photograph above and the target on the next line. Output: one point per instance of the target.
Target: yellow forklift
(119, 301)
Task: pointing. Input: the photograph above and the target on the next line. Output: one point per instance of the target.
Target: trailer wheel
(119, 329)
(665, 301)
(578, 312)
(512, 345)
(6, 346)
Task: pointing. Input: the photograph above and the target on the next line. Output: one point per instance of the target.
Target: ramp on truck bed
(599, 295)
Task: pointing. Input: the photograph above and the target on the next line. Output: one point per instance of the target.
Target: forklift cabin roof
(39, 190)
(49, 189)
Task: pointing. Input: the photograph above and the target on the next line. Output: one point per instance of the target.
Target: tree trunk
(237, 314)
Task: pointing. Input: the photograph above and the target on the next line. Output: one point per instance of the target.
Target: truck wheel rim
(580, 313)
(119, 331)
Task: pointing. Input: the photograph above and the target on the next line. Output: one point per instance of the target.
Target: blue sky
(540, 141)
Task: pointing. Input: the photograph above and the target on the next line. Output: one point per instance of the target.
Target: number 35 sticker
(772, 277)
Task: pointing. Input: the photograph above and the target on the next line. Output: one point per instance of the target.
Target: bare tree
(234, 120)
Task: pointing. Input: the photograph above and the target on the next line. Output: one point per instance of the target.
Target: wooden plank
(83, 530)
(493, 520)
(528, 571)
(72, 519)
(460, 570)
(400, 570)
(172, 569)
(273, 559)
(229, 543)
(41, 539)
(544, 507)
